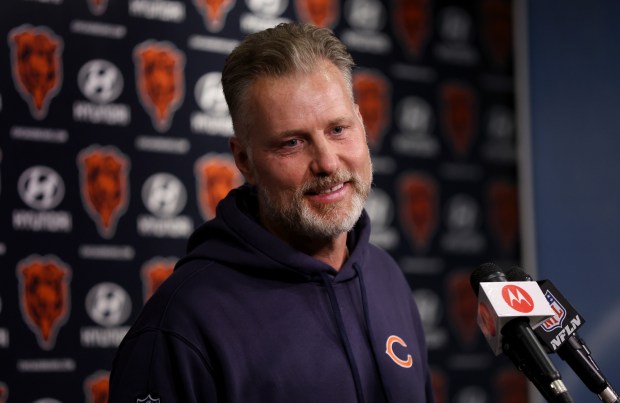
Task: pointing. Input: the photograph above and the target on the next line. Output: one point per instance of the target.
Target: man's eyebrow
(290, 133)
(296, 132)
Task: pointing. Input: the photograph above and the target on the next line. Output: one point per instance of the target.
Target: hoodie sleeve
(162, 365)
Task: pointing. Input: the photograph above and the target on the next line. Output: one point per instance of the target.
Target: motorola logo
(517, 298)
(100, 81)
(164, 195)
(41, 188)
(108, 304)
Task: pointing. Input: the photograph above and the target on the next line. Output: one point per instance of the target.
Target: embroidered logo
(389, 350)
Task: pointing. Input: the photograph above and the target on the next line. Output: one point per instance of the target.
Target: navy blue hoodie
(247, 318)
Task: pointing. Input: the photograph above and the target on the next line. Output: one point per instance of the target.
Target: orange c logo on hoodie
(389, 350)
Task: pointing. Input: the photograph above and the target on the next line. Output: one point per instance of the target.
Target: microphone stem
(609, 396)
(521, 345)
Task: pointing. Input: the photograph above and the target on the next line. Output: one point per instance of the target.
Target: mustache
(317, 184)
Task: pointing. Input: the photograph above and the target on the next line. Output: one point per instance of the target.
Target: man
(281, 297)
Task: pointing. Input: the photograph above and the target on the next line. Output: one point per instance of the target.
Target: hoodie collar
(235, 237)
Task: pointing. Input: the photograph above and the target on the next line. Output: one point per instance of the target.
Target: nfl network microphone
(559, 335)
(507, 311)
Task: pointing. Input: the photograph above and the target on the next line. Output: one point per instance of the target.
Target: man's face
(306, 154)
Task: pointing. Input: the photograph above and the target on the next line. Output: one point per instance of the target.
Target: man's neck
(332, 251)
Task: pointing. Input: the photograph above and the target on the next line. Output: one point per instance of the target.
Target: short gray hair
(285, 49)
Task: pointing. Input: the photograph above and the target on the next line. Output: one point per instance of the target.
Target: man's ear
(361, 118)
(358, 113)
(242, 160)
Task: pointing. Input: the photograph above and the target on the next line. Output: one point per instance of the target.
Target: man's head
(300, 138)
(276, 52)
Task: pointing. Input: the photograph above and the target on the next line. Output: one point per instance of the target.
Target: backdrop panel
(113, 139)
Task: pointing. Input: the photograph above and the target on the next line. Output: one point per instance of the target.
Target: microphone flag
(500, 302)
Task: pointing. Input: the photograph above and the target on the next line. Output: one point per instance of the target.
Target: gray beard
(296, 216)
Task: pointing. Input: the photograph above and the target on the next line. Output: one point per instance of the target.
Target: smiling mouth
(332, 189)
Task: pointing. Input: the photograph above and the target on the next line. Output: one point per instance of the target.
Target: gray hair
(285, 49)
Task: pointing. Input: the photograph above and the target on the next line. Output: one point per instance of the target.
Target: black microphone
(564, 340)
(518, 340)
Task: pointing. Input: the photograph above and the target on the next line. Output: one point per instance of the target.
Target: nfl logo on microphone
(556, 320)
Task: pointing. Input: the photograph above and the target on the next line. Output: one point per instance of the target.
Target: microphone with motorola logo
(507, 313)
(559, 335)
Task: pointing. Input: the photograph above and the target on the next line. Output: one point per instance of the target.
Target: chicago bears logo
(44, 296)
(160, 80)
(96, 387)
(504, 213)
(407, 362)
(322, 13)
(412, 24)
(463, 307)
(103, 181)
(214, 12)
(418, 205)
(97, 7)
(153, 274)
(372, 94)
(36, 65)
(497, 29)
(458, 108)
(216, 175)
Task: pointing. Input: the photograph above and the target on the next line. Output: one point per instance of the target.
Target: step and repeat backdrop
(114, 148)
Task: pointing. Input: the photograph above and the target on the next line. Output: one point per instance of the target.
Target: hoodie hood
(235, 238)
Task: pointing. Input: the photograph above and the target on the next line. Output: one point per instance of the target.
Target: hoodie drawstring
(343, 336)
(358, 270)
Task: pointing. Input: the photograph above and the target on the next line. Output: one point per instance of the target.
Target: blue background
(574, 93)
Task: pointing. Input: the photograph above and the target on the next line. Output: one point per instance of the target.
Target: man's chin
(333, 218)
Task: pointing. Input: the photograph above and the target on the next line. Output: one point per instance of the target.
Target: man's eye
(291, 143)
(338, 129)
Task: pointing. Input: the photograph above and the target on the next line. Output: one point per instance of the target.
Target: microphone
(511, 307)
(559, 334)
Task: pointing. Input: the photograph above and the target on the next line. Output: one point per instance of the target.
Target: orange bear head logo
(37, 73)
(44, 296)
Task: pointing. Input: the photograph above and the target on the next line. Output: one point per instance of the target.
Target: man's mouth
(331, 190)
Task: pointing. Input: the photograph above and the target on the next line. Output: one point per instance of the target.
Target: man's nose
(324, 157)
